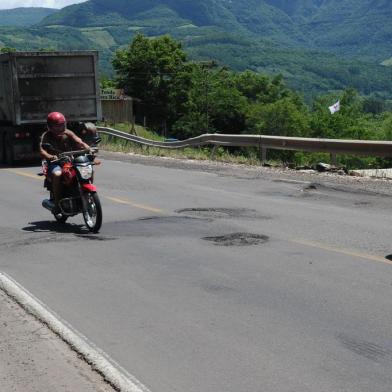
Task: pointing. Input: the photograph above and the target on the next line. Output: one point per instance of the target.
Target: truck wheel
(2, 148)
(9, 151)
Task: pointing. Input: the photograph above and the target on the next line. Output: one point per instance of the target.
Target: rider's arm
(44, 154)
(78, 141)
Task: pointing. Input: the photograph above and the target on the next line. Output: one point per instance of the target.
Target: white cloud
(5, 4)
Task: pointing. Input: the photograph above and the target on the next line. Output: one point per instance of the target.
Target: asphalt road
(260, 284)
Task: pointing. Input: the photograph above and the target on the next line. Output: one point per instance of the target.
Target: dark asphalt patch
(238, 239)
(368, 350)
(221, 213)
(217, 288)
(362, 203)
(310, 187)
(32, 241)
(92, 237)
(53, 238)
(173, 219)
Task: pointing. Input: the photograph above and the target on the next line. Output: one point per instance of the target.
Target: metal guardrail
(264, 142)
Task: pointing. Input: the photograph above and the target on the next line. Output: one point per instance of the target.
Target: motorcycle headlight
(85, 171)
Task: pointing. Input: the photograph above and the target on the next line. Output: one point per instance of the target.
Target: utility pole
(206, 66)
(207, 107)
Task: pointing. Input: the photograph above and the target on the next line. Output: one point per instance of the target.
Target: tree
(348, 123)
(154, 71)
(373, 105)
(7, 49)
(213, 103)
(260, 88)
(281, 118)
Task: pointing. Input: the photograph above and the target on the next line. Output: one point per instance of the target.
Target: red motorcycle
(79, 194)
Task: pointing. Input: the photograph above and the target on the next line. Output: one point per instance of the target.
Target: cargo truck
(33, 84)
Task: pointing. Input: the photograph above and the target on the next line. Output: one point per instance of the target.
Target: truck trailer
(33, 84)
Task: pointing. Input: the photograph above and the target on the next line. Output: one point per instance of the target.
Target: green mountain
(24, 16)
(318, 45)
(346, 27)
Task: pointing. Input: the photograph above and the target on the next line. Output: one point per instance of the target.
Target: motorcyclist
(60, 139)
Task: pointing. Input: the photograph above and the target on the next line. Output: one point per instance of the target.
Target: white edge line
(112, 372)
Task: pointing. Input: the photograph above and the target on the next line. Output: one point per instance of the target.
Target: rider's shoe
(57, 212)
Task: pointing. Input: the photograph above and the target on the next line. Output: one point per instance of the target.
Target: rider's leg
(56, 184)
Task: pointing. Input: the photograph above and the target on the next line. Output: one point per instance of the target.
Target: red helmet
(56, 122)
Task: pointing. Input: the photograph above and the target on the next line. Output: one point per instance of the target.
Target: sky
(4, 4)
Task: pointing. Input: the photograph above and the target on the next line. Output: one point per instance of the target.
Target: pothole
(238, 239)
(217, 213)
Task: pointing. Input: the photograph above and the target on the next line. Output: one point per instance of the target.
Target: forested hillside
(24, 16)
(348, 27)
(317, 45)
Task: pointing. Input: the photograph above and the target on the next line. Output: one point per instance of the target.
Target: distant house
(113, 93)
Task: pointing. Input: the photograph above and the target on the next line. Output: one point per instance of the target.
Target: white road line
(112, 372)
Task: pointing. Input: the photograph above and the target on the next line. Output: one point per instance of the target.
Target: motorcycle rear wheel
(92, 212)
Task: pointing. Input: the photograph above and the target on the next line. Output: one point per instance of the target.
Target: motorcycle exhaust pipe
(48, 204)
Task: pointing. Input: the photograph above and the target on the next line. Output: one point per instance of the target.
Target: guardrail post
(333, 158)
(263, 155)
(133, 129)
(213, 152)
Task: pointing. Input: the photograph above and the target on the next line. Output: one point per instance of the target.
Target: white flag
(335, 107)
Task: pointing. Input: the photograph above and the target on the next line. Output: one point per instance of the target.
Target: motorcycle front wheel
(92, 212)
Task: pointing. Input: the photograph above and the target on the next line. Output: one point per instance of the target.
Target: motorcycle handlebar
(78, 152)
(69, 154)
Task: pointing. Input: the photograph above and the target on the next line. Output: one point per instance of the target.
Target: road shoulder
(33, 358)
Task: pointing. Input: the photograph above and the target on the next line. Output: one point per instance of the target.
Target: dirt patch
(238, 239)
